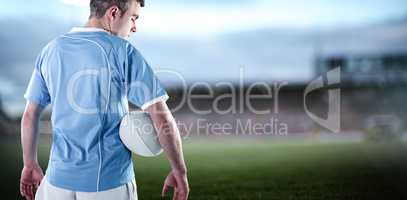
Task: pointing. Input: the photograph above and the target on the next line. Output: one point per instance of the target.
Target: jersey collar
(88, 29)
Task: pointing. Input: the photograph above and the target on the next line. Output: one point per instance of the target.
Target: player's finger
(30, 191)
(182, 195)
(27, 196)
(35, 188)
(25, 190)
(33, 191)
(21, 189)
(165, 190)
(175, 194)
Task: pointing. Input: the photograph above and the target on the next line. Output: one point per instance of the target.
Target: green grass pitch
(234, 169)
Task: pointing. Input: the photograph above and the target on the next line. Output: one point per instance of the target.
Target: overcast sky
(272, 39)
(214, 16)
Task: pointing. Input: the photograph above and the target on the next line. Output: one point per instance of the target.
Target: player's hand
(31, 177)
(178, 181)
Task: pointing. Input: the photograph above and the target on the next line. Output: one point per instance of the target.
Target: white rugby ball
(138, 134)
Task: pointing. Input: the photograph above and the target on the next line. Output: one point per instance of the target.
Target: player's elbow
(28, 117)
(163, 120)
(31, 113)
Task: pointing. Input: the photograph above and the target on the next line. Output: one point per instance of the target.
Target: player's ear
(113, 12)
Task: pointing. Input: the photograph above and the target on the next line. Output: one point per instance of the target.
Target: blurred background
(214, 57)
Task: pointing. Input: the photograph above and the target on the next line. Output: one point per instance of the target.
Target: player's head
(117, 16)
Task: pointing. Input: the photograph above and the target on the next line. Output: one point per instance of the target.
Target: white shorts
(46, 191)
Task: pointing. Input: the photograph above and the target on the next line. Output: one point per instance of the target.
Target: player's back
(82, 74)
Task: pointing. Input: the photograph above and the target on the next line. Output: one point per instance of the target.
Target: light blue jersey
(88, 75)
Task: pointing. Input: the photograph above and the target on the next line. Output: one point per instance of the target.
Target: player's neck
(96, 23)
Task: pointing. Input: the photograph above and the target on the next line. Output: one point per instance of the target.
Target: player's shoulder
(128, 46)
(55, 42)
(120, 45)
(126, 50)
(48, 47)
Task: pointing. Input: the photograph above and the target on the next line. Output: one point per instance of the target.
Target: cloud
(210, 17)
(81, 3)
(207, 20)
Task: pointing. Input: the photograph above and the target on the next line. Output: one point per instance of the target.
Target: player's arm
(29, 133)
(32, 174)
(170, 140)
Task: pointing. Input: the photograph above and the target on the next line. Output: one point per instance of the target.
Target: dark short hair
(98, 7)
